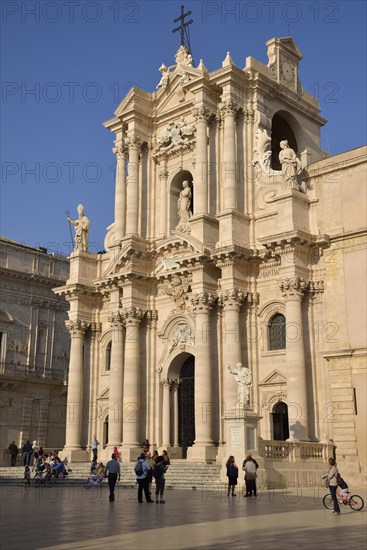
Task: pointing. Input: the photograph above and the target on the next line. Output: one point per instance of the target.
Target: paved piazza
(72, 517)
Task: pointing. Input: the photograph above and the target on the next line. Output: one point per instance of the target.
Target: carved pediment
(275, 378)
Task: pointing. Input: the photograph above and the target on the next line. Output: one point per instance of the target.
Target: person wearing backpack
(250, 467)
(142, 470)
(160, 482)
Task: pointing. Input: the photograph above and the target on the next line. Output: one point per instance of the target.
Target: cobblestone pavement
(73, 517)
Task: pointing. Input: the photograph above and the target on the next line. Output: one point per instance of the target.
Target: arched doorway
(186, 405)
(280, 421)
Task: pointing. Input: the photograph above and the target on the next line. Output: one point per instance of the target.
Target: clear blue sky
(81, 57)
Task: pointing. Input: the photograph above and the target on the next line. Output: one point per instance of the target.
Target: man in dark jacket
(27, 451)
(13, 450)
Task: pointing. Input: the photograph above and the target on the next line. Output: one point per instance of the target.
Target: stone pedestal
(83, 268)
(205, 229)
(233, 229)
(241, 437)
(78, 455)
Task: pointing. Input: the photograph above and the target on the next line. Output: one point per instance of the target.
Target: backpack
(138, 469)
(339, 479)
(158, 471)
(250, 469)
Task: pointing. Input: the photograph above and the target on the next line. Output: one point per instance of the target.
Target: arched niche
(175, 190)
(285, 126)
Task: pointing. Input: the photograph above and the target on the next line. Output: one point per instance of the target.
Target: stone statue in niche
(243, 378)
(82, 225)
(184, 203)
(291, 166)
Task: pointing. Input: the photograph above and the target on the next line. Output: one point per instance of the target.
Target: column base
(130, 454)
(75, 455)
(202, 453)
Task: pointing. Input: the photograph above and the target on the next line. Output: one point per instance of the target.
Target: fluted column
(202, 304)
(231, 301)
(131, 398)
(116, 382)
(292, 291)
(75, 385)
(132, 197)
(163, 175)
(166, 413)
(228, 168)
(120, 191)
(175, 386)
(201, 115)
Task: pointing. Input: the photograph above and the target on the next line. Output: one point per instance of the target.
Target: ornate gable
(275, 378)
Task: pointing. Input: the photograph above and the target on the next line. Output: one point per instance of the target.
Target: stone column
(120, 191)
(201, 115)
(175, 386)
(132, 199)
(131, 399)
(163, 175)
(228, 167)
(231, 300)
(292, 291)
(202, 304)
(74, 409)
(166, 413)
(116, 382)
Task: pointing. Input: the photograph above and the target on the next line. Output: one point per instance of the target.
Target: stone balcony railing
(19, 370)
(293, 451)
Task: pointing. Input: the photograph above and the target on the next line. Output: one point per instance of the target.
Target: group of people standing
(147, 467)
(249, 466)
(27, 450)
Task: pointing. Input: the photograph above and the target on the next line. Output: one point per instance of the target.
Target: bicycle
(356, 502)
(43, 479)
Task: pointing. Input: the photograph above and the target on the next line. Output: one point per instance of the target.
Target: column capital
(132, 316)
(228, 107)
(77, 327)
(201, 113)
(167, 383)
(232, 299)
(202, 302)
(176, 383)
(163, 173)
(134, 142)
(152, 318)
(120, 151)
(96, 328)
(293, 288)
(316, 288)
(115, 320)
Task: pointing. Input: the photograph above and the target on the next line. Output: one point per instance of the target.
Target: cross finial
(182, 26)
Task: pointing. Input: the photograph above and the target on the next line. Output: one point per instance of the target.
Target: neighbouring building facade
(34, 347)
(227, 315)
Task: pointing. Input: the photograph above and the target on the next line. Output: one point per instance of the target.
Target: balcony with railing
(20, 371)
(294, 451)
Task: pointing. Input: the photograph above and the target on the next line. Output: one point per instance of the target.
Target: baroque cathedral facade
(226, 315)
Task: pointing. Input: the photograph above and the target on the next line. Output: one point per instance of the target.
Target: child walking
(232, 474)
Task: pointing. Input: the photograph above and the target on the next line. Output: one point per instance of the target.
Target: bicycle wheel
(38, 481)
(87, 484)
(328, 502)
(356, 502)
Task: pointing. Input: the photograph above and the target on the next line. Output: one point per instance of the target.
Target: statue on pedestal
(82, 225)
(243, 378)
(291, 166)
